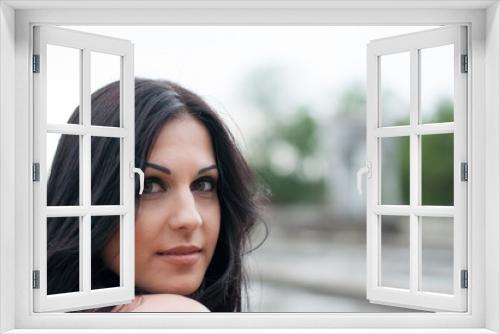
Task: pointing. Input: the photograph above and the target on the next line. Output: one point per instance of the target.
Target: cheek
(212, 219)
(111, 253)
(148, 224)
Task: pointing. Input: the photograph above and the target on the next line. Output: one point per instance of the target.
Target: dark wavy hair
(156, 102)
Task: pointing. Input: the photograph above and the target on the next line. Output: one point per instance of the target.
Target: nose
(185, 215)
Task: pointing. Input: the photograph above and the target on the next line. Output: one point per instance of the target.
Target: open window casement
(417, 170)
(53, 49)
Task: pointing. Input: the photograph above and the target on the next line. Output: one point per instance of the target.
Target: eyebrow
(169, 172)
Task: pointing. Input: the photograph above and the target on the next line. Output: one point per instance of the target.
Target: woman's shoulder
(161, 303)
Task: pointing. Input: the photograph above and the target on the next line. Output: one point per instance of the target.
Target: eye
(152, 185)
(205, 184)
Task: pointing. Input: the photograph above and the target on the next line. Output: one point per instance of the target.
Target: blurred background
(295, 99)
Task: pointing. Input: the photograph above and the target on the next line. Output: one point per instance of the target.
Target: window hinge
(464, 279)
(36, 279)
(464, 171)
(36, 171)
(36, 63)
(465, 64)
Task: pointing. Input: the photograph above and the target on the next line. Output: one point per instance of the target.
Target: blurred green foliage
(437, 162)
(395, 164)
(290, 189)
(352, 102)
(300, 130)
(286, 140)
(289, 136)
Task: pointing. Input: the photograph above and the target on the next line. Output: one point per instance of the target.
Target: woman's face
(178, 219)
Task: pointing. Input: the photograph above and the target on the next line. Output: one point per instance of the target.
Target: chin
(182, 287)
(184, 290)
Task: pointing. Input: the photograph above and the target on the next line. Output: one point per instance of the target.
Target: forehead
(183, 139)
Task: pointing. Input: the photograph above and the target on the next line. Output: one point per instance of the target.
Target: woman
(192, 220)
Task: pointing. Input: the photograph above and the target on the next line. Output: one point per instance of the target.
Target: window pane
(437, 254)
(437, 169)
(63, 255)
(105, 69)
(395, 89)
(65, 172)
(395, 170)
(63, 84)
(395, 231)
(105, 266)
(436, 85)
(106, 181)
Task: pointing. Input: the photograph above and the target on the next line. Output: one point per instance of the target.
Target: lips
(181, 250)
(181, 255)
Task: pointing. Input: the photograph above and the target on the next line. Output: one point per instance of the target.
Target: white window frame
(86, 44)
(412, 44)
(483, 18)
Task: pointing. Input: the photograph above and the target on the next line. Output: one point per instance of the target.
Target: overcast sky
(213, 61)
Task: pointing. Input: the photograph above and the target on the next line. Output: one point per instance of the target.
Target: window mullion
(85, 232)
(127, 222)
(414, 172)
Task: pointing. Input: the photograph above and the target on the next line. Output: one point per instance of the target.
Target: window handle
(361, 172)
(133, 171)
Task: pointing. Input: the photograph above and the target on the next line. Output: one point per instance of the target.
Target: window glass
(395, 170)
(103, 226)
(395, 89)
(395, 257)
(437, 169)
(57, 174)
(437, 254)
(103, 148)
(63, 238)
(105, 69)
(63, 84)
(436, 85)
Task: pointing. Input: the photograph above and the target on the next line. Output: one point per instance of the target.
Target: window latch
(133, 171)
(359, 176)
